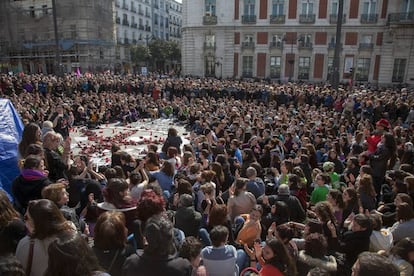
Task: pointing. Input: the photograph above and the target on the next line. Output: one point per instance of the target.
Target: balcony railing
(141, 27)
(401, 18)
(148, 28)
(248, 45)
(333, 18)
(307, 18)
(332, 45)
(134, 41)
(125, 7)
(247, 73)
(140, 12)
(366, 46)
(209, 46)
(305, 45)
(125, 22)
(248, 19)
(126, 41)
(134, 25)
(118, 20)
(147, 14)
(133, 9)
(277, 19)
(369, 18)
(209, 20)
(117, 4)
(276, 44)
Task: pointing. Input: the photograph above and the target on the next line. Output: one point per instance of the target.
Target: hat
(186, 200)
(384, 123)
(283, 190)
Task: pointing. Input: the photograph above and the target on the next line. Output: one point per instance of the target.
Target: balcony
(148, 28)
(277, 19)
(401, 18)
(156, 6)
(125, 7)
(209, 20)
(147, 14)
(333, 18)
(125, 22)
(133, 9)
(307, 18)
(118, 20)
(248, 45)
(248, 19)
(141, 27)
(134, 25)
(247, 73)
(369, 18)
(140, 12)
(366, 46)
(117, 4)
(276, 45)
(126, 41)
(134, 41)
(305, 45)
(209, 46)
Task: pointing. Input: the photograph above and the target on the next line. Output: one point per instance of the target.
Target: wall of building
(375, 39)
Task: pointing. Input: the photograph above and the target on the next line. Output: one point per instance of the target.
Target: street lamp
(291, 59)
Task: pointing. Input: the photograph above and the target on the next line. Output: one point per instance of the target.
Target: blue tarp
(11, 129)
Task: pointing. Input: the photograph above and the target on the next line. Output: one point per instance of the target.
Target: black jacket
(295, 208)
(144, 265)
(25, 190)
(188, 220)
(354, 243)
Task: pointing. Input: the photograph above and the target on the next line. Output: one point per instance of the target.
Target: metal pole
(57, 50)
(338, 46)
(292, 60)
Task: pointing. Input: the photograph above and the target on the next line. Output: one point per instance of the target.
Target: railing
(147, 14)
(125, 22)
(209, 20)
(118, 20)
(277, 19)
(248, 45)
(333, 18)
(125, 7)
(209, 46)
(126, 41)
(401, 18)
(141, 27)
(305, 45)
(117, 4)
(140, 12)
(276, 44)
(248, 19)
(148, 28)
(369, 18)
(307, 18)
(247, 73)
(366, 46)
(134, 41)
(134, 25)
(332, 45)
(133, 9)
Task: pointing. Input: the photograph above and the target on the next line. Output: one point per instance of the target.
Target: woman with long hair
(165, 178)
(31, 135)
(12, 228)
(351, 201)
(241, 201)
(335, 198)
(117, 198)
(44, 222)
(273, 258)
(70, 255)
(367, 193)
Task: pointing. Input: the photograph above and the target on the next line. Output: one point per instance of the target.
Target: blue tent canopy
(11, 129)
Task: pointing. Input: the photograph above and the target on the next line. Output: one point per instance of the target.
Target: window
(32, 11)
(209, 66)
(369, 7)
(249, 7)
(45, 9)
(210, 40)
(407, 6)
(277, 7)
(334, 7)
(307, 7)
(330, 67)
(275, 67)
(210, 7)
(277, 40)
(247, 68)
(155, 19)
(399, 70)
(362, 70)
(304, 68)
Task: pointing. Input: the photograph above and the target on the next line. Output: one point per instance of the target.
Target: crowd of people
(278, 179)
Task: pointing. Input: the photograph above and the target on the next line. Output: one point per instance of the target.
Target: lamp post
(335, 73)
(291, 60)
(57, 50)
